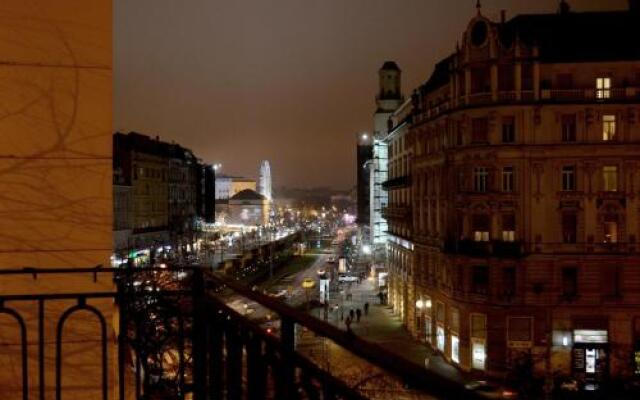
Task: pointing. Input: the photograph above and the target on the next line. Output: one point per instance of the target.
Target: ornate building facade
(525, 197)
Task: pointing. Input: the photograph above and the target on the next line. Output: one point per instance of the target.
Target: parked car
(491, 391)
(347, 278)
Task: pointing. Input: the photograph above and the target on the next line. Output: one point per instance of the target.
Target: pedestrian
(347, 322)
(380, 297)
(366, 308)
(358, 315)
(341, 315)
(351, 314)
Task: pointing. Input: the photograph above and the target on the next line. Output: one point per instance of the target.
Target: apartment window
(569, 227)
(480, 281)
(608, 127)
(612, 279)
(611, 229)
(509, 281)
(481, 224)
(603, 88)
(564, 81)
(508, 130)
(479, 130)
(507, 179)
(610, 178)
(568, 178)
(569, 128)
(570, 282)
(480, 179)
(508, 227)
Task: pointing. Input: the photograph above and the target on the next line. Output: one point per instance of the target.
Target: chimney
(503, 16)
(564, 7)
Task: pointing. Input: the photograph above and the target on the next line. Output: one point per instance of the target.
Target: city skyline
(291, 83)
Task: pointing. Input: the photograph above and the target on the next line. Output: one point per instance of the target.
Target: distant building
(248, 207)
(388, 100)
(229, 186)
(157, 187)
(264, 186)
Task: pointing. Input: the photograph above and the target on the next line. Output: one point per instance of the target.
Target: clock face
(479, 33)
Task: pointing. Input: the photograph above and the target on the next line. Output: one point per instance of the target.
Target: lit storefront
(590, 353)
(478, 341)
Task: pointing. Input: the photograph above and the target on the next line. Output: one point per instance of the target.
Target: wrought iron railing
(220, 353)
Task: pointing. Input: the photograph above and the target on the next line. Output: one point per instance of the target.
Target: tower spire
(478, 6)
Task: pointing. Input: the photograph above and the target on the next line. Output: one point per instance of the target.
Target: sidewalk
(384, 328)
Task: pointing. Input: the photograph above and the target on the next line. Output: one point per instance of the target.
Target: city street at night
(320, 200)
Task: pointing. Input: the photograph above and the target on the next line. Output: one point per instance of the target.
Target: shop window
(507, 179)
(480, 279)
(480, 179)
(508, 130)
(478, 340)
(479, 130)
(508, 227)
(569, 282)
(481, 224)
(610, 178)
(427, 329)
(568, 128)
(455, 349)
(568, 178)
(603, 88)
(440, 337)
(608, 127)
(569, 227)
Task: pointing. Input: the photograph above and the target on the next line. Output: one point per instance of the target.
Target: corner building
(525, 196)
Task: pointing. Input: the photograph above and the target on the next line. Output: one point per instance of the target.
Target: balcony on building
(480, 249)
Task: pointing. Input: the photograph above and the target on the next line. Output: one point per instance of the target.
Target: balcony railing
(400, 182)
(494, 248)
(396, 212)
(220, 352)
(526, 96)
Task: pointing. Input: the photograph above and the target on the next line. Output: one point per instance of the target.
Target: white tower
(264, 185)
(388, 100)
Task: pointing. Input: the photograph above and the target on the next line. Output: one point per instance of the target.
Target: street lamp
(307, 285)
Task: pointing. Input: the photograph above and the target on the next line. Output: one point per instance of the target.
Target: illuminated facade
(398, 212)
(249, 207)
(264, 187)
(525, 197)
(388, 100)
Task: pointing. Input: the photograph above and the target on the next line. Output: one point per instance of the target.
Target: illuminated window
(603, 88)
(455, 349)
(611, 229)
(480, 179)
(608, 127)
(479, 355)
(480, 227)
(568, 178)
(610, 178)
(507, 179)
(508, 227)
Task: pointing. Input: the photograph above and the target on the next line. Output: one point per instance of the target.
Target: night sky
(291, 81)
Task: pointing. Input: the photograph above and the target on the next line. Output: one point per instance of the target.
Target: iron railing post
(286, 375)
(234, 361)
(256, 371)
(216, 366)
(199, 344)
